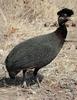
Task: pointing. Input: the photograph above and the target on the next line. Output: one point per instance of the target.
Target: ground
(23, 19)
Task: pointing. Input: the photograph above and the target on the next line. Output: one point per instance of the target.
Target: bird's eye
(65, 15)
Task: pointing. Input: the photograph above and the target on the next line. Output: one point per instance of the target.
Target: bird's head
(64, 15)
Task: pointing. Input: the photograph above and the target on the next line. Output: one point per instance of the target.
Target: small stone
(73, 25)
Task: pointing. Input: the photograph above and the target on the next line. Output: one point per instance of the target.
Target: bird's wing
(32, 55)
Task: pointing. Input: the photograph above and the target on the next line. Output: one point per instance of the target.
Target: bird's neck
(61, 31)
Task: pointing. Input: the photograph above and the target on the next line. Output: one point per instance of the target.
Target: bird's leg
(35, 76)
(24, 82)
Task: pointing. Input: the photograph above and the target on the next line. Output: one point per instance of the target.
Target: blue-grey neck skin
(62, 30)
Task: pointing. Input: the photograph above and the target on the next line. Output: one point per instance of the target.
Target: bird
(37, 52)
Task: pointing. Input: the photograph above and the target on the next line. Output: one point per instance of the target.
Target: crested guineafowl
(39, 51)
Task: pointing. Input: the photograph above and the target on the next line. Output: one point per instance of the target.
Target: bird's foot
(36, 80)
(24, 85)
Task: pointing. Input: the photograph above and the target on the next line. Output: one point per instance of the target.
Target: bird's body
(39, 51)
(35, 52)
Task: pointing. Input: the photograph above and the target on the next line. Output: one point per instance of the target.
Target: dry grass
(23, 19)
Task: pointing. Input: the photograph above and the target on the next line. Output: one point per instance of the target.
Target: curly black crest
(65, 11)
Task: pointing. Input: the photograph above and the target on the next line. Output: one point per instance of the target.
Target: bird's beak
(69, 19)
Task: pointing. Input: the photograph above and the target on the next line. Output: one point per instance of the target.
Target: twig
(71, 41)
(3, 16)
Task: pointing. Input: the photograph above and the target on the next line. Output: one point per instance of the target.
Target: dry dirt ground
(23, 19)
